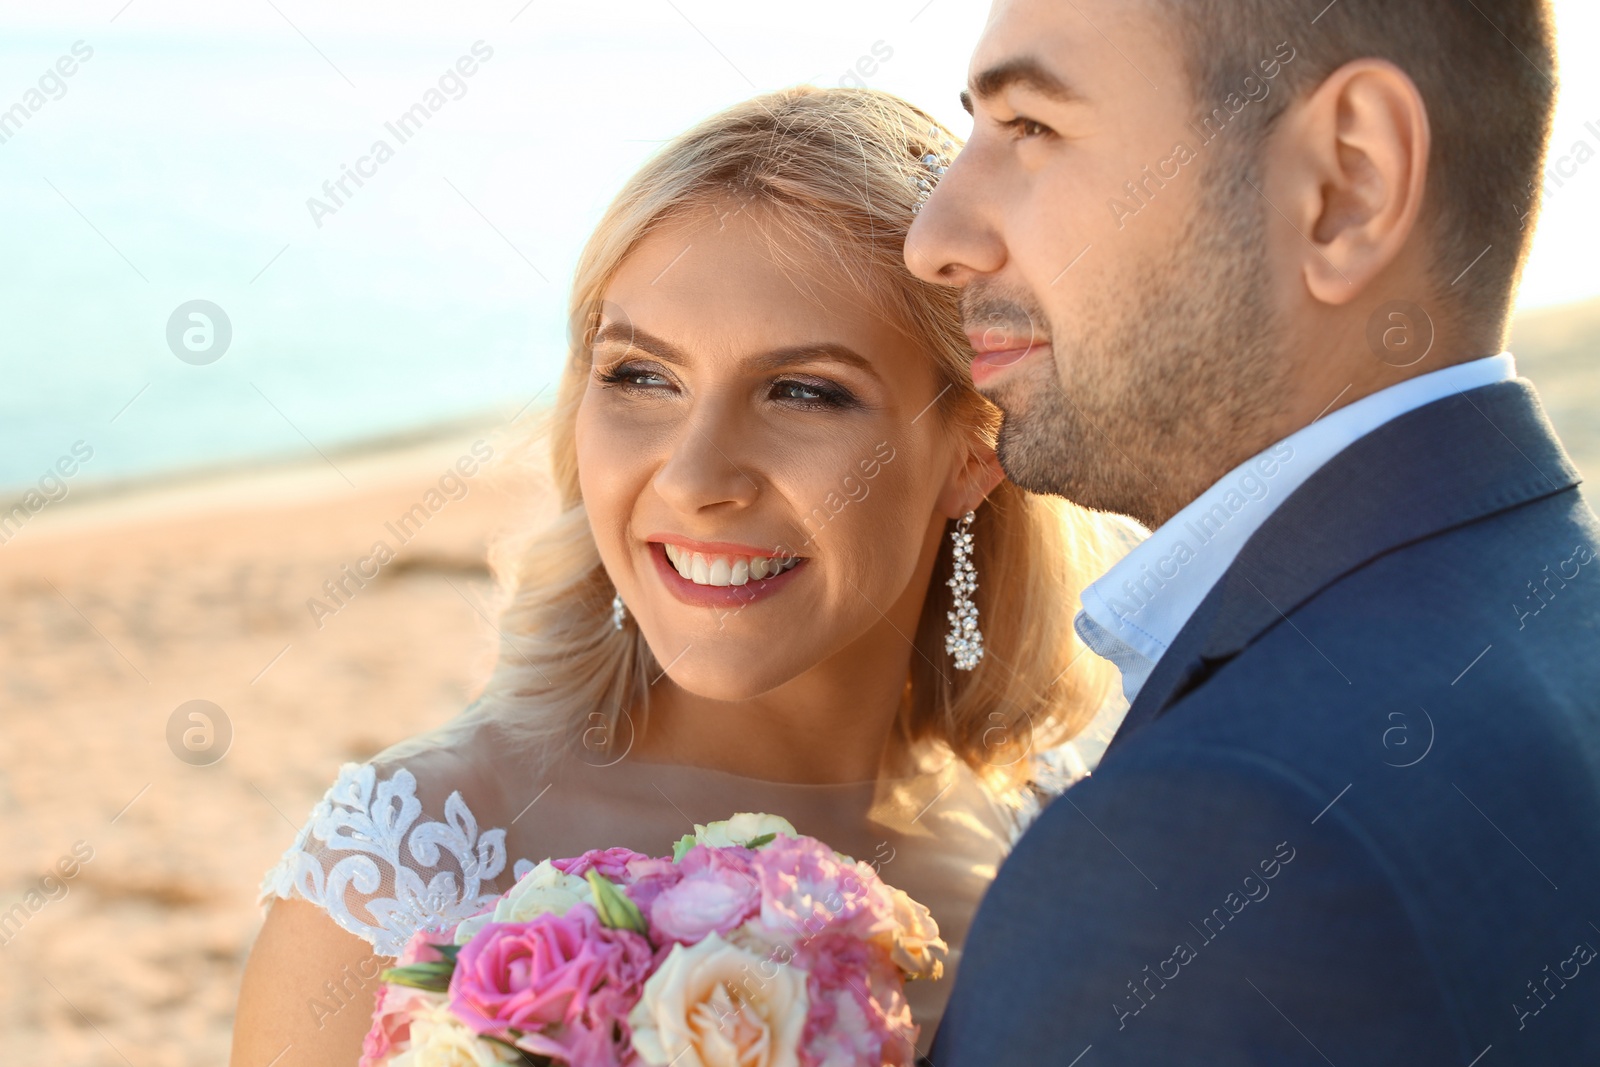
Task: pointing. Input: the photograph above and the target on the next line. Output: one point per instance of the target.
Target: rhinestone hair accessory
(937, 163)
(965, 640)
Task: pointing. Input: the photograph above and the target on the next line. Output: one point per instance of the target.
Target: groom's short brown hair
(1486, 70)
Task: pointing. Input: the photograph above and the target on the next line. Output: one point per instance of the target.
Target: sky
(185, 156)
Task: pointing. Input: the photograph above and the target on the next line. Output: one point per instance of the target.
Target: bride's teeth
(724, 571)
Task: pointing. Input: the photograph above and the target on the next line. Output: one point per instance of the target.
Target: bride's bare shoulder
(480, 759)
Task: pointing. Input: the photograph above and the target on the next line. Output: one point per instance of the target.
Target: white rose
(543, 889)
(742, 829)
(915, 944)
(716, 1005)
(438, 1039)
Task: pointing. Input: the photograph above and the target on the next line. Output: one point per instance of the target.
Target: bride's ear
(970, 481)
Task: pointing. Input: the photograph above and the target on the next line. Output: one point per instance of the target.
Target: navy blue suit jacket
(1353, 817)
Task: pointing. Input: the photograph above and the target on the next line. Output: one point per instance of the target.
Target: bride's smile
(742, 389)
(717, 574)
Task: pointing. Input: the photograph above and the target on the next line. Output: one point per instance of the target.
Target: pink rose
(391, 1021)
(858, 1011)
(391, 1015)
(564, 980)
(807, 889)
(716, 894)
(610, 862)
(648, 878)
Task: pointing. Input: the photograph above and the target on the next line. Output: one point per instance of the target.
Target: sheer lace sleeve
(1055, 770)
(383, 865)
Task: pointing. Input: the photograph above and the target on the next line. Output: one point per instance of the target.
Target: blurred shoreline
(198, 483)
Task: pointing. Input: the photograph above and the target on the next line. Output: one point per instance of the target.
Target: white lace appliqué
(366, 842)
(1054, 771)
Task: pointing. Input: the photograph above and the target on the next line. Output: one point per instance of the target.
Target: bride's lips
(996, 350)
(716, 596)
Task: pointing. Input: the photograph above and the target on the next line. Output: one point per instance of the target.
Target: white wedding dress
(432, 830)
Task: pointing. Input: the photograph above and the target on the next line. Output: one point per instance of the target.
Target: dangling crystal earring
(965, 640)
(619, 611)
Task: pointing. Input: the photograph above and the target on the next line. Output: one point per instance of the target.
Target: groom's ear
(970, 482)
(1349, 170)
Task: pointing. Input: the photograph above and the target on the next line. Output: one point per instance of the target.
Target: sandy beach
(121, 609)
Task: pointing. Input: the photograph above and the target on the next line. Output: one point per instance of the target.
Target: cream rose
(915, 944)
(543, 889)
(438, 1039)
(742, 829)
(716, 1005)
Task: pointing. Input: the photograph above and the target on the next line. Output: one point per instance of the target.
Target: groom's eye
(1026, 127)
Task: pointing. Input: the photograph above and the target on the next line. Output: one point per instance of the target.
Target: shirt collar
(1147, 597)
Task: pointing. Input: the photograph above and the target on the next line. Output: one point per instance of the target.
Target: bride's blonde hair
(836, 170)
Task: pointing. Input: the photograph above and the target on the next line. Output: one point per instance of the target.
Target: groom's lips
(993, 353)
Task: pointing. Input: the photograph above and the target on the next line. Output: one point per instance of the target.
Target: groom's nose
(953, 240)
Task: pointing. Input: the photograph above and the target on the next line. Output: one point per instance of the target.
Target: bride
(764, 440)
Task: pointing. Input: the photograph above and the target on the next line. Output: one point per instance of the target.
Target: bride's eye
(631, 376)
(811, 394)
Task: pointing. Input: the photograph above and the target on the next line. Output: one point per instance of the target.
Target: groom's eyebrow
(1025, 72)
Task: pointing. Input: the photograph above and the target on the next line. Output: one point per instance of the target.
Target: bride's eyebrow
(779, 358)
(625, 333)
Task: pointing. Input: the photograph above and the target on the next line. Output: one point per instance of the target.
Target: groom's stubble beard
(1150, 398)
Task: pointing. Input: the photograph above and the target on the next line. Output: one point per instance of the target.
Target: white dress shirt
(1132, 614)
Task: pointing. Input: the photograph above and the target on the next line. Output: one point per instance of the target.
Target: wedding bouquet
(751, 946)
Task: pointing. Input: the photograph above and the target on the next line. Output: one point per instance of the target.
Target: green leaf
(613, 906)
(757, 842)
(524, 1057)
(449, 952)
(434, 977)
(682, 847)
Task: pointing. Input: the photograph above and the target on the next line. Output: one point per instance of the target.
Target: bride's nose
(704, 469)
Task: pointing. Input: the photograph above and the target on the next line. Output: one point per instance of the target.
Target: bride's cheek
(886, 526)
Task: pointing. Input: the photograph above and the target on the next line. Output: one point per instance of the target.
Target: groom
(1242, 269)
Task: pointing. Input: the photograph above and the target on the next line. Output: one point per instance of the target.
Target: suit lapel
(1442, 465)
